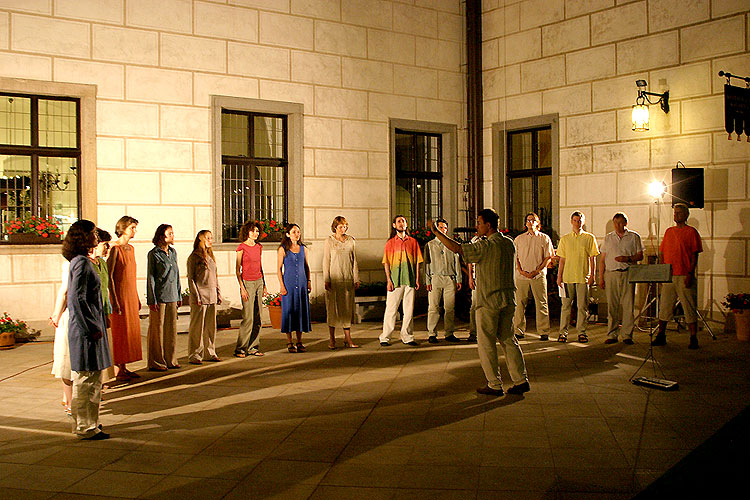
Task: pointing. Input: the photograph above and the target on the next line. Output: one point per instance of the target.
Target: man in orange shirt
(680, 248)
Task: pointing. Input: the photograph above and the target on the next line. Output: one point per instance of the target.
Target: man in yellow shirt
(577, 251)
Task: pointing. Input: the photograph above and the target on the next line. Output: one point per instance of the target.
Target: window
(254, 163)
(525, 164)
(40, 158)
(529, 175)
(419, 176)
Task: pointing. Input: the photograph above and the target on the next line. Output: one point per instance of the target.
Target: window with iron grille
(40, 158)
(529, 173)
(419, 176)
(254, 169)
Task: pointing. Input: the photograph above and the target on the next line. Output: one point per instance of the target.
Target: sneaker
(544, 336)
(489, 391)
(452, 338)
(610, 341)
(433, 339)
(693, 342)
(660, 339)
(519, 389)
(385, 344)
(520, 336)
(627, 341)
(472, 339)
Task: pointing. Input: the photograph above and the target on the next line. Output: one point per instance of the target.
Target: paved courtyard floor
(377, 422)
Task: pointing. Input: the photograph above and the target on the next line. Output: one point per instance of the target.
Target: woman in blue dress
(294, 279)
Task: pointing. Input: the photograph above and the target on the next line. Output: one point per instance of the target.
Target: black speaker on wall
(687, 186)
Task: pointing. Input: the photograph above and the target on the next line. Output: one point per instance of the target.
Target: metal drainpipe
(474, 107)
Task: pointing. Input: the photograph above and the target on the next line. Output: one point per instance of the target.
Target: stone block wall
(353, 64)
(580, 59)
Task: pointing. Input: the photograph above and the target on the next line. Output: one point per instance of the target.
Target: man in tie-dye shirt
(401, 261)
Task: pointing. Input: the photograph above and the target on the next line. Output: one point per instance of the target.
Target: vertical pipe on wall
(474, 107)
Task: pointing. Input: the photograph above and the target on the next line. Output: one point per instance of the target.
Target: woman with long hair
(87, 330)
(204, 297)
(60, 350)
(341, 277)
(98, 258)
(294, 280)
(164, 296)
(123, 291)
(249, 271)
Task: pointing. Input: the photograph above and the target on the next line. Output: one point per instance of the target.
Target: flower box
(31, 239)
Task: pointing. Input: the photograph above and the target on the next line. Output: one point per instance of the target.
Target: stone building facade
(152, 77)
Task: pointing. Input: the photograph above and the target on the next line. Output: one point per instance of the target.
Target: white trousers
(442, 287)
(538, 287)
(620, 295)
(494, 325)
(688, 299)
(392, 300)
(581, 290)
(87, 394)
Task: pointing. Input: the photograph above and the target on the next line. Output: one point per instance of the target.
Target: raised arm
(450, 243)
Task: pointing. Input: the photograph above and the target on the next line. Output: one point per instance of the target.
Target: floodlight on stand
(640, 115)
(657, 189)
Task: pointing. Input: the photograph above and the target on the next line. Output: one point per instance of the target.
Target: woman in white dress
(341, 276)
(61, 351)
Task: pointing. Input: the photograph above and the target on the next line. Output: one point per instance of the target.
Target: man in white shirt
(621, 248)
(442, 271)
(533, 252)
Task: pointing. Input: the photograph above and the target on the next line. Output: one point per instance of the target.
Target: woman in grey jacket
(204, 297)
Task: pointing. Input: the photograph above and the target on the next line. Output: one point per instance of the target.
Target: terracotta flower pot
(7, 340)
(274, 312)
(742, 320)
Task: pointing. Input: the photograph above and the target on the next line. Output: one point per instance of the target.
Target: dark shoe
(693, 343)
(520, 336)
(544, 336)
(563, 337)
(519, 389)
(489, 391)
(472, 339)
(452, 338)
(659, 340)
(157, 369)
(97, 437)
(413, 343)
(627, 341)
(385, 344)
(300, 347)
(433, 339)
(583, 338)
(290, 347)
(198, 362)
(214, 360)
(174, 367)
(611, 341)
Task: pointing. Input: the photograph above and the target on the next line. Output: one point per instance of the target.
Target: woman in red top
(249, 270)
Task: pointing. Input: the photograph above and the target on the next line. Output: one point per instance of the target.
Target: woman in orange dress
(123, 291)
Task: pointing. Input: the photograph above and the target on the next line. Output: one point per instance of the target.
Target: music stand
(653, 274)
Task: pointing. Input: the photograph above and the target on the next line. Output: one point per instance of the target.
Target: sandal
(563, 337)
(255, 353)
(240, 355)
(290, 347)
(300, 347)
(332, 346)
(583, 338)
(351, 345)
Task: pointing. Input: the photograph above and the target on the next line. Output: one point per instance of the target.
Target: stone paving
(371, 423)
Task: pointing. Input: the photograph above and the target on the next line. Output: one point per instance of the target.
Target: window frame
(448, 161)
(500, 131)
(294, 186)
(87, 175)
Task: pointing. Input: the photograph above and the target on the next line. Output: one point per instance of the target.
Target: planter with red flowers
(9, 327)
(33, 231)
(739, 304)
(271, 230)
(273, 302)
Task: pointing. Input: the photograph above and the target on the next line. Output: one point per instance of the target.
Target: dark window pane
(15, 120)
(544, 205)
(234, 134)
(404, 152)
(269, 137)
(58, 124)
(269, 193)
(404, 191)
(520, 151)
(236, 193)
(58, 189)
(521, 201)
(544, 138)
(15, 188)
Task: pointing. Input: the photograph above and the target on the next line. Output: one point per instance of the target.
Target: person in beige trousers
(204, 297)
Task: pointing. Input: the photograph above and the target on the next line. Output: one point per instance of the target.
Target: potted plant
(33, 231)
(739, 304)
(273, 302)
(270, 230)
(8, 329)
